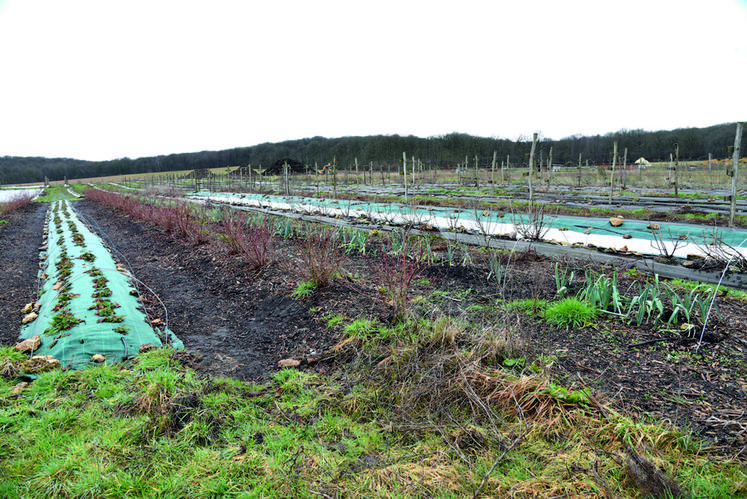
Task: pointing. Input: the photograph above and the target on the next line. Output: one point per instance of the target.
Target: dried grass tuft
(650, 478)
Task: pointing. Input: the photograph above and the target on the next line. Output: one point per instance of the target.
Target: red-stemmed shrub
(233, 226)
(16, 202)
(322, 256)
(396, 272)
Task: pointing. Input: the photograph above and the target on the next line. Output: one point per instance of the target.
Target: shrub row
(18, 201)
(321, 251)
(234, 230)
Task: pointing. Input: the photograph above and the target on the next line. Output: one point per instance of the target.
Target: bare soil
(20, 239)
(240, 323)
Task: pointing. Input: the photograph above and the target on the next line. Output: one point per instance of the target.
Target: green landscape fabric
(635, 228)
(90, 262)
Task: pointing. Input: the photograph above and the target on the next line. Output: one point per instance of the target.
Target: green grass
(334, 320)
(55, 193)
(529, 306)
(737, 294)
(304, 289)
(399, 421)
(361, 328)
(570, 312)
(79, 188)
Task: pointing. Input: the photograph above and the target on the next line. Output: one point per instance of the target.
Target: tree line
(439, 151)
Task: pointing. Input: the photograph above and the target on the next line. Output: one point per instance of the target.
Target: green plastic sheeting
(599, 226)
(114, 326)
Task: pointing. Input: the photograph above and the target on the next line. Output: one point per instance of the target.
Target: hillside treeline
(446, 150)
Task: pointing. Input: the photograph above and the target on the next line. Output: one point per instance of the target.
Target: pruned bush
(233, 226)
(396, 268)
(163, 216)
(322, 256)
(257, 245)
(536, 225)
(719, 254)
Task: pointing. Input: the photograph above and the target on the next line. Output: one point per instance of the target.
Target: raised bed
(88, 309)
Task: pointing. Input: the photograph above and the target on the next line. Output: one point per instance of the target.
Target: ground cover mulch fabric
(240, 323)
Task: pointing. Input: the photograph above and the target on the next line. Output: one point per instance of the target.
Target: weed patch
(570, 312)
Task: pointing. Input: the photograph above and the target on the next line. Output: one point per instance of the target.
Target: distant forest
(446, 150)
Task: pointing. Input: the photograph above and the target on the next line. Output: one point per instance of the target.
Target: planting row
(87, 309)
(15, 199)
(625, 236)
(399, 258)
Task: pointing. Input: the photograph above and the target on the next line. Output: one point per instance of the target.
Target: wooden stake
(492, 171)
(404, 165)
(285, 174)
(531, 167)
(612, 175)
(676, 167)
(477, 172)
(334, 176)
(413, 177)
(735, 166)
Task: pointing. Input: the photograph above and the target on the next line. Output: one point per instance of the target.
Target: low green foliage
(529, 306)
(334, 320)
(285, 228)
(570, 312)
(304, 289)
(88, 256)
(563, 279)
(602, 293)
(355, 240)
(406, 425)
(654, 302)
(361, 328)
(61, 321)
(685, 304)
(569, 396)
(734, 293)
(54, 193)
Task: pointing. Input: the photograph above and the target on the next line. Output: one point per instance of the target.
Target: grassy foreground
(412, 415)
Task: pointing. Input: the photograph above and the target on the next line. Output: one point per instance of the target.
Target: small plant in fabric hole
(62, 322)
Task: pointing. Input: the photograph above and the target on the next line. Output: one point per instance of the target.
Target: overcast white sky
(104, 79)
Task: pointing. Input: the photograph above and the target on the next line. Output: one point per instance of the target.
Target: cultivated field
(378, 360)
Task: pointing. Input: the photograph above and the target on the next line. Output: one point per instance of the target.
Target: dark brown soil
(240, 323)
(20, 239)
